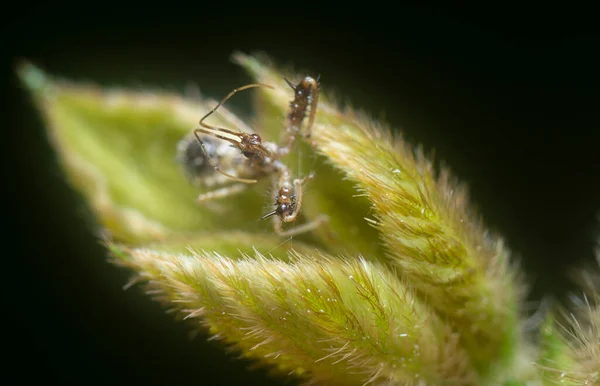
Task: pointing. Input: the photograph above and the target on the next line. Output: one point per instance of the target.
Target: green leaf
(333, 321)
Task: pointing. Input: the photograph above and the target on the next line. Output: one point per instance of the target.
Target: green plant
(404, 285)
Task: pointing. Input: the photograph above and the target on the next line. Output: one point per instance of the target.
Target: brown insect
(306, 99)
(261, 159)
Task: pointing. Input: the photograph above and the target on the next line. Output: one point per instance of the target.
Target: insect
(261, 159)
(306, 97)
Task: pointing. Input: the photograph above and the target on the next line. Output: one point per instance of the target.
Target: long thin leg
(233, 119)
(222, 192)
(253, 85)
(309, 226)
(246, 181)
(235, 138)
(298, 183)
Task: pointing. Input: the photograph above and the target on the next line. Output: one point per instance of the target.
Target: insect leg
(246, 181)
(231, 117)
(298, 183)
(253, 85)
(221, 192)
(307, 227)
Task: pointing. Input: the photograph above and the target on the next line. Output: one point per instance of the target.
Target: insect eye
(282, 209)
(255, 139)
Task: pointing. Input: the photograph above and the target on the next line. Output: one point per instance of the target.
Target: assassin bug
(306, 98)
(262, 159)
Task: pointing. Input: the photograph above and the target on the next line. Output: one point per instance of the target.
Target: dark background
(509, 102)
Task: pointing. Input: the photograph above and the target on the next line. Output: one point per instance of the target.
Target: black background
(508, 100)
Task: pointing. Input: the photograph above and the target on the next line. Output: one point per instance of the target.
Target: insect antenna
(273, 213)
